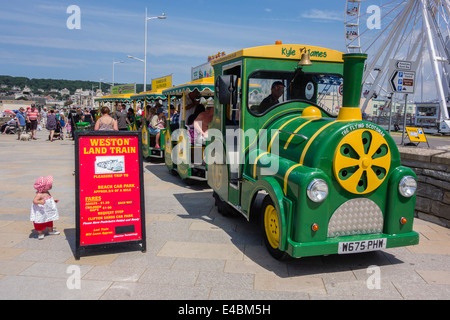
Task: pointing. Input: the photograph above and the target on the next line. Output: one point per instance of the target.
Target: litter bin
(82, 126)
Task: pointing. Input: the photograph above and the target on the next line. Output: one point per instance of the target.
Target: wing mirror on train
(226, 89)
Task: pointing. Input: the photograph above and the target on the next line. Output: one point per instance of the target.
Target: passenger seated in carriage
(190, 121)
(201, 124)
(153, 128)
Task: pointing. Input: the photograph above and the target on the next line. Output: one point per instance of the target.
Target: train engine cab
(318, 182)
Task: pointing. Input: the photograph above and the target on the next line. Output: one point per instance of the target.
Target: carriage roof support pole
(184, 105)
(168, 109)
(353, 73)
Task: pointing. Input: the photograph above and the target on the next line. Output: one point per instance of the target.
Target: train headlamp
(407, 186)
(317, 190)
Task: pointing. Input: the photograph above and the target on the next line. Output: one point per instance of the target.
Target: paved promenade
(192, 251)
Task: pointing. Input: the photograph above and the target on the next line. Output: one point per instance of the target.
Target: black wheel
(224, 208)
(271, 229)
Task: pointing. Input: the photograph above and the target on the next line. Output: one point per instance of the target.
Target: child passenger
(43, 209)
(161, 121)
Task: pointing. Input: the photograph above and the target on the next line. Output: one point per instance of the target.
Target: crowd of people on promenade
(55, 121)
(63, 122)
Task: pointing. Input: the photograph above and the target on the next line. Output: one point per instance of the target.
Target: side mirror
(226, 89)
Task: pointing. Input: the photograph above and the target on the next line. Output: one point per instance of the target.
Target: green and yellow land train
(320, 184)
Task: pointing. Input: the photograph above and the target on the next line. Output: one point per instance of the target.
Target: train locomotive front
(339, 186)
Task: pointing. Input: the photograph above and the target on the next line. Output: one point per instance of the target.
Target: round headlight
(317, 190)
(407, 186)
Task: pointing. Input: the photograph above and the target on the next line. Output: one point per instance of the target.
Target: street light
(100, 84)
(145, 78)
(131, 57)
(114, 63)
(163, 16)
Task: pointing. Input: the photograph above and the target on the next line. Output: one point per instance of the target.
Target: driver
(272, 99)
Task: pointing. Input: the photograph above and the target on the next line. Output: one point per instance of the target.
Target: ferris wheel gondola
(408, 30)
(352, 20)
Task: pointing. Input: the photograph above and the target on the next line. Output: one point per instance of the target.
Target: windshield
(269, 89)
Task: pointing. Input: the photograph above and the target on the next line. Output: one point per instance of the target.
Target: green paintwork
(353, 73)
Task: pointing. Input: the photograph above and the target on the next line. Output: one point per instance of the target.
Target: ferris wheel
(402, 30)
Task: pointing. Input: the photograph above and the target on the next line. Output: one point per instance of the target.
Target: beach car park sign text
(403, 76)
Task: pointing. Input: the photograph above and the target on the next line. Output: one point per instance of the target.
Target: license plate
(362, 246)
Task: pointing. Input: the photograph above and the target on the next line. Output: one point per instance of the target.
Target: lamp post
(163, 16)
(145, 76)
(100, 84)
(114, 63)
(131, 57)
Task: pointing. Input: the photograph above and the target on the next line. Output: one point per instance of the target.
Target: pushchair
(58, 134)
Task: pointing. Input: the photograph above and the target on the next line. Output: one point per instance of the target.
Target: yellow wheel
(362, 161)
(271, 227)
(168, 152)
(183, 154)
(216, 175)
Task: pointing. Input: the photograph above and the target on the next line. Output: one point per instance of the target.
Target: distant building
(26, 92)
(82, 98)
(64, 92)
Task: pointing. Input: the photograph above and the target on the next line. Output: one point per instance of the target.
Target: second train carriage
(148, 99)
(182, 155)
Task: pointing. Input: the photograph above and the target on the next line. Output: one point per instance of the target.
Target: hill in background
(47, 84)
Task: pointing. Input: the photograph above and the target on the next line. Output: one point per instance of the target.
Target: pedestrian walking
(43, 210)
(44, 114)
(106, 122)
(21, 122)
(87, 117)
(33, 119)
(51, 124)
(62, 122)
(121, 117)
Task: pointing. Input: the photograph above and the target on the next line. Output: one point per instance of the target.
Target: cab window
(269, 89)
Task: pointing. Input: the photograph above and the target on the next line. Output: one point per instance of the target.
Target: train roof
(115, 97)
(152, 94)
(284, 51)
(205, 86)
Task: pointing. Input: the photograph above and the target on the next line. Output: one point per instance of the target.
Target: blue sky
(36, 43)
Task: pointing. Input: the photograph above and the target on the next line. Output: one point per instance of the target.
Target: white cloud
(323, 15)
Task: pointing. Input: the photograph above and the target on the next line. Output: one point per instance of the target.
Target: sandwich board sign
(402, 76)
(416, 135)
(109, 190)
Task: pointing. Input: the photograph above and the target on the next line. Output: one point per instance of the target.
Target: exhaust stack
(353, 73)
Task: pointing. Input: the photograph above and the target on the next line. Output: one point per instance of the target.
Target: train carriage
(111, 100)
(319, 183)
(182, 155)
(146, 99)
